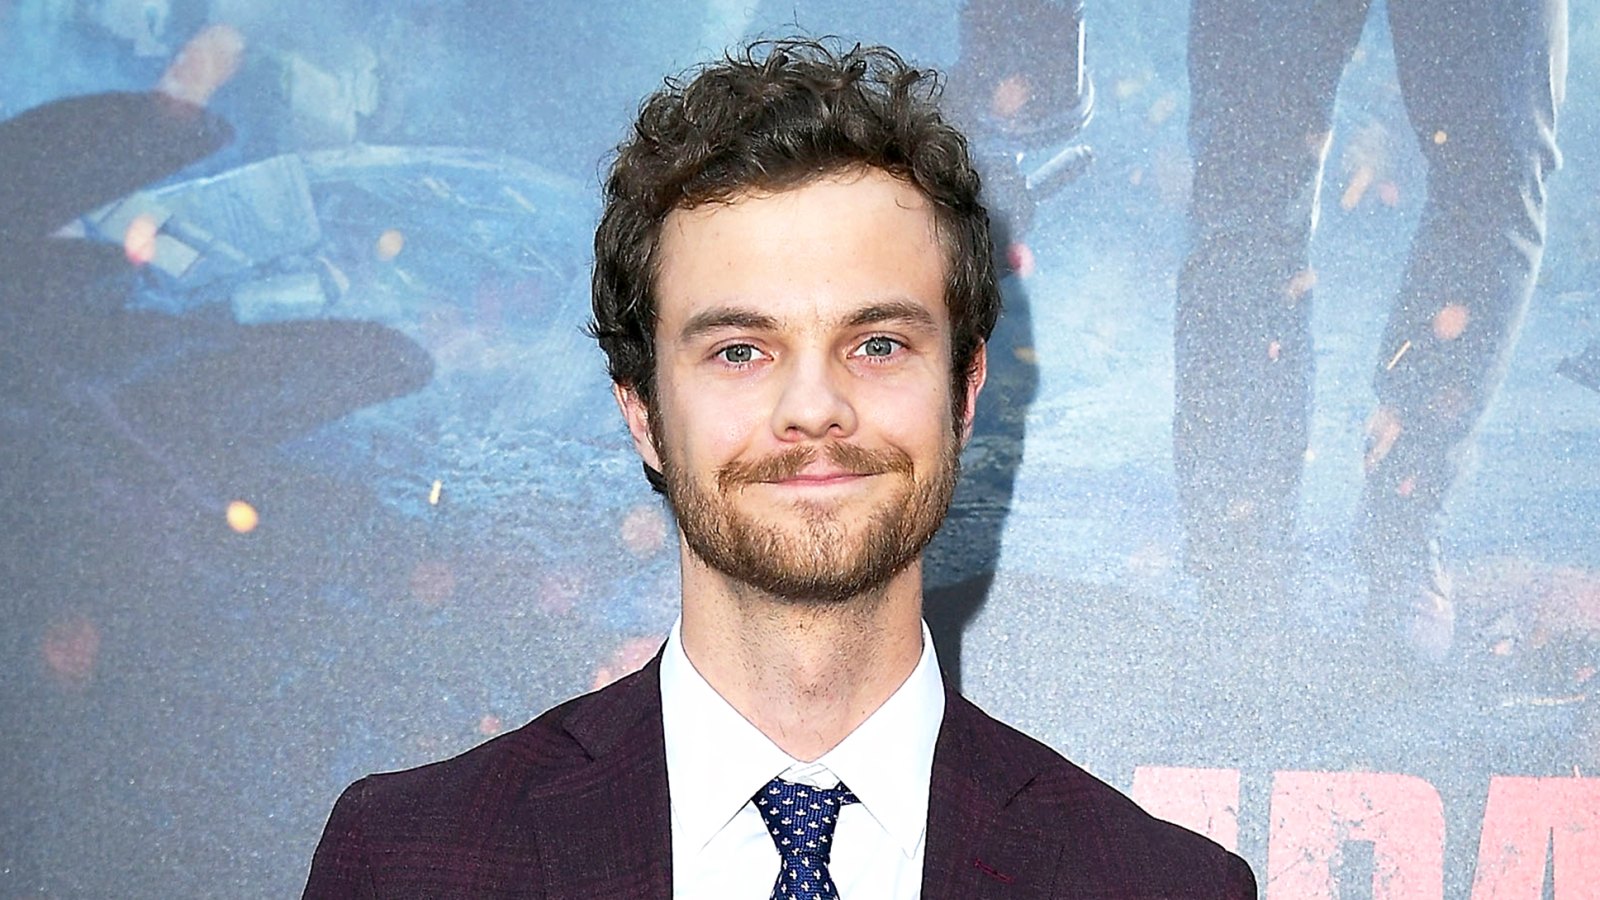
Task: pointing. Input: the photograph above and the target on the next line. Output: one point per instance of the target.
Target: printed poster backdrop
(309, 471)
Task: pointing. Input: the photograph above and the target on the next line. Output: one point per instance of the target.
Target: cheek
(708, 430)
(911, 424)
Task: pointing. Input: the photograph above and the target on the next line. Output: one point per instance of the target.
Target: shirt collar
(717, 760)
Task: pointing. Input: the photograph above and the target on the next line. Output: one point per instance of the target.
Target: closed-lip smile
(819, 477)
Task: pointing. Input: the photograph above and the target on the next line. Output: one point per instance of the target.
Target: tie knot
(801, 818)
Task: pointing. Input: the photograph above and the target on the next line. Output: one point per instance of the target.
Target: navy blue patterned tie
(800, 819)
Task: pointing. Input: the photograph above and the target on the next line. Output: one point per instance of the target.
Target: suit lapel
(979, 845)
(605, 829)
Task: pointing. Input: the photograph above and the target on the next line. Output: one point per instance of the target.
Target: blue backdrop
(310, 471)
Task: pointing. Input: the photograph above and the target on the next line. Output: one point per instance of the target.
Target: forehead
(811, 254)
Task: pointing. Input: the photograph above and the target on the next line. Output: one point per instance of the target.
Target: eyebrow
(893, 311)
(724, 317)
(720, 317)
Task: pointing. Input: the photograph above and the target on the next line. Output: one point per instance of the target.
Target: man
(793, 285)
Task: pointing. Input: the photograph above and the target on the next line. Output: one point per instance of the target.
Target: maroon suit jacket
(574, 805)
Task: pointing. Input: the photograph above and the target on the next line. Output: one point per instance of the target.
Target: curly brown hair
(774, 116)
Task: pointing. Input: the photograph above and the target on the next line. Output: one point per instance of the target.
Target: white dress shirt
(717, 760)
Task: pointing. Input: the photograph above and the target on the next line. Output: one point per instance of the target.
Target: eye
(738, 354)
(878, 346)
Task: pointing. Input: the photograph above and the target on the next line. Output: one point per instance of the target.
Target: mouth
(820, 478)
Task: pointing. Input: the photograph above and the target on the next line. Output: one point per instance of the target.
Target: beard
(815, 556)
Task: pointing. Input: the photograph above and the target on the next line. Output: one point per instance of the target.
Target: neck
(804, 674)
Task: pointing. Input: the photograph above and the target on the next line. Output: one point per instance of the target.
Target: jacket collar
(605, 829)
(980, 843)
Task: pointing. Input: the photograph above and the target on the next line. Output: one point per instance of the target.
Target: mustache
(788, 463)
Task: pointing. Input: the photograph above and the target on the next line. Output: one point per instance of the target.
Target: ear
(976, 375)
(637, 415)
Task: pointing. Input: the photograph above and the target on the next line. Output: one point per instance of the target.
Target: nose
(814, 402)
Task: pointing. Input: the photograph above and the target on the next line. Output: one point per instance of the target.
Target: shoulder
(471, 806)
(492, 773)
(1110, 845)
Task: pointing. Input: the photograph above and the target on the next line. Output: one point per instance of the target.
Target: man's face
(802, 414)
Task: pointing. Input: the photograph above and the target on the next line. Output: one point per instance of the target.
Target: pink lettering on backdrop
(1527, 819)
(1202, 800)
(1314, 814)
